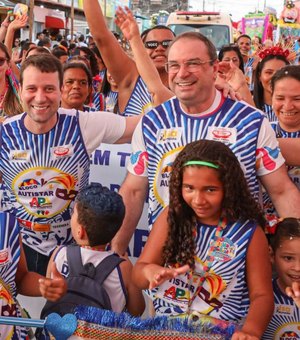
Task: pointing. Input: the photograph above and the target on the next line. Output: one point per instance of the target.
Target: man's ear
(81, 232)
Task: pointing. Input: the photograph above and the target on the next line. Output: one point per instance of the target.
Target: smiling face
(203, 192)
(286, 103)
(40, 95)
(75, 89)
(267, 72)
(158, 55)
(195, 89)
(287, 262)
(244, 45)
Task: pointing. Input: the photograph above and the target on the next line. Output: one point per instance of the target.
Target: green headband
(211, 165)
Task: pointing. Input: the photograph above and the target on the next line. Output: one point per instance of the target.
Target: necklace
(209, 259)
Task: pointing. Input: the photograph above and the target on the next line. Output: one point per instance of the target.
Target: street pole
(72, 20)
(31, 19)
(203, 5)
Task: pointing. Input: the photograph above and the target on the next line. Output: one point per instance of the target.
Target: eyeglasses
(153, 44)
(2, 61)
(192, 65)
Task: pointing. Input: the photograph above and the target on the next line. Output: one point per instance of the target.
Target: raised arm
(3, 28)
(120, 65)
(18, 23)
(144, 64)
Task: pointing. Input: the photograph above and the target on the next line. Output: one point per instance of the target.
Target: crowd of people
(215, 150)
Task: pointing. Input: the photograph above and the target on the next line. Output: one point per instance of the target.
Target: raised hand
(19, 22)
(127, 23)
(232, 74)
(294, 292)
(53, 288)
(157, 275)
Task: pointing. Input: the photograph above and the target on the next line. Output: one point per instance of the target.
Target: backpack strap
(106, 266)
(74, 259)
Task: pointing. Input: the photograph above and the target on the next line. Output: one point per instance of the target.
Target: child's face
(203, 192)
(287, 262)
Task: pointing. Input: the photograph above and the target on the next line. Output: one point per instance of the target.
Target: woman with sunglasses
(133, 96)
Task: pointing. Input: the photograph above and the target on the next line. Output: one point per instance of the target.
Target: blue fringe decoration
(108, 318)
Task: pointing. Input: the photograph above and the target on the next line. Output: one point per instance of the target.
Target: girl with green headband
(207, 252)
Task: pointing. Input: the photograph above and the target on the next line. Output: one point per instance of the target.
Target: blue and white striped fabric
(140, 100)
(45, 173)
(224, 294)
(9, 259)
(286, 318)
(166, 129)
(269, 113)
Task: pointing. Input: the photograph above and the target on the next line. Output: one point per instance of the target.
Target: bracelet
(4, 25)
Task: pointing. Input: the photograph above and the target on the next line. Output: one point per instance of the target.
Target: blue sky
(238, 8)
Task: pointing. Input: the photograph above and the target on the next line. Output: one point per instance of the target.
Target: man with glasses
(199, 111)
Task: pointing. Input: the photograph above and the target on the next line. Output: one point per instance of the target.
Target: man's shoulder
(244, 107)
(9, 120)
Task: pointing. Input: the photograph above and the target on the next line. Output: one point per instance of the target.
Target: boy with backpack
(96, 277)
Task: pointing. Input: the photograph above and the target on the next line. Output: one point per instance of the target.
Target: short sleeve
(100, 127)
(268, 155)
(138, 163)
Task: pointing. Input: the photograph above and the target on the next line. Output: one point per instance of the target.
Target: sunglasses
(154, 44)
(2, 61)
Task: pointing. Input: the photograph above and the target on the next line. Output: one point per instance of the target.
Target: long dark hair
(238, 204)
(258, 91)
(234, 48)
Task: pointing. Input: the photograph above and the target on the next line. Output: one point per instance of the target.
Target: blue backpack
(85, 284)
